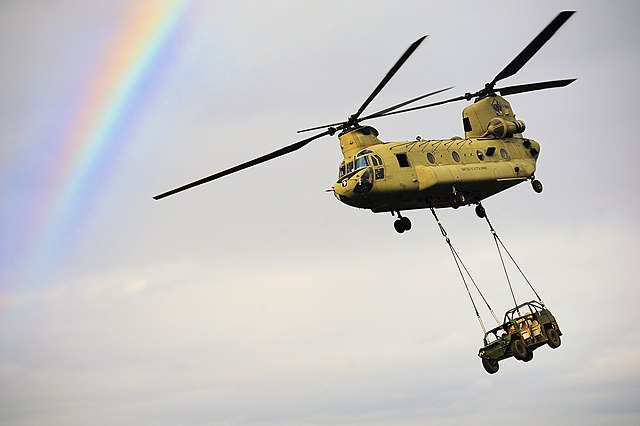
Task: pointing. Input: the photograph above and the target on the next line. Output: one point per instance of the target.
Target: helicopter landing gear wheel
(458, 200)
(480, 212)
(537, 185)
(402, 224)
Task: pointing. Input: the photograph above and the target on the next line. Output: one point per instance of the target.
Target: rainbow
(124, 75)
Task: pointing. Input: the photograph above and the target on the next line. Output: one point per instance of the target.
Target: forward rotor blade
(416, 108)
(405, 103)
(521, 88)
(533, 47)
(275, 154)
(389, 75)
(377, 90)
(388, 111)
(326, 126)
(381, 112)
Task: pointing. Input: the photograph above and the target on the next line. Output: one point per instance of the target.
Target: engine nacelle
(504, 128)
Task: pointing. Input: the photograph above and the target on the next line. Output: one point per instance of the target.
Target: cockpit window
(349, 167)
(341, 171)
(362, 162)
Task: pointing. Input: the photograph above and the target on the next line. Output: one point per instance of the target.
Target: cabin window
(504, 154)
(456, 156)
(403, 161)
(480, 155)
(431, 158)
(379, 173)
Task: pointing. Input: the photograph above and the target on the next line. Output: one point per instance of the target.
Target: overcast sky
(260, 299)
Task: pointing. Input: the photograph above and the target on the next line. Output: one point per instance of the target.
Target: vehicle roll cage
(532, 307)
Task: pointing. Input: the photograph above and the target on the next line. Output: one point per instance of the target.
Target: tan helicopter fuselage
(396, 176)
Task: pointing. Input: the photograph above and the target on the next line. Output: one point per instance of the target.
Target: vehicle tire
(480, 212)
(519, 350)
(490, 365)
(529, 356)
(553, 338)
(459, 199)
(398, 226)
(406, 223)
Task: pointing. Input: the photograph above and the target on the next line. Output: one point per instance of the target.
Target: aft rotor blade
(405, 103)
(533, 47)
(275, 154)
(512, 90)
(389, 75)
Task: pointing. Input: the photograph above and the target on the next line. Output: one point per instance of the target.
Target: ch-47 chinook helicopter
(399, 176)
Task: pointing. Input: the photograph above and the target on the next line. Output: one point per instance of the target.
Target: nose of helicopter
(350, 189)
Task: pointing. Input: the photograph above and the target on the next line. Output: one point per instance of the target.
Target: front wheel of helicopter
(402, 224)
(458, 199)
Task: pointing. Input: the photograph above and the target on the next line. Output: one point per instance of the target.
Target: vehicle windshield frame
(514, 313)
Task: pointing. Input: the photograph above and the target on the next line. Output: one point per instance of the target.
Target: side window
(466, 124)
(403, 161)
(431, 158)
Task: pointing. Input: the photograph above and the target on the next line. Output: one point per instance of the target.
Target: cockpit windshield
(362, 162)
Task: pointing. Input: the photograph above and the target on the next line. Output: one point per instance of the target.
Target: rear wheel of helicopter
(537, 185)
(480, 212)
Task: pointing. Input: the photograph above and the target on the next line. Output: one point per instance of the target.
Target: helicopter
(447, 173)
